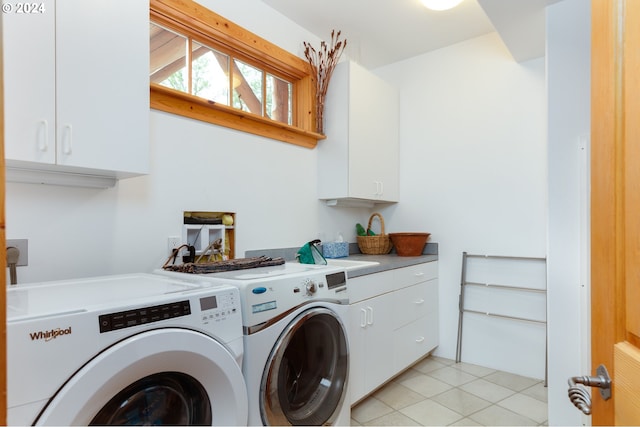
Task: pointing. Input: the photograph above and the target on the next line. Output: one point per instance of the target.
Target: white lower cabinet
(371, 334)
(393, 323)
(413, 340)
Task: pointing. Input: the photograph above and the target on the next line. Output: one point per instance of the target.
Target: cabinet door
(359, 158)
(371, 345)
(373, 137)
(357, 337)
(29, 84)
(102, 67)
(379, 340)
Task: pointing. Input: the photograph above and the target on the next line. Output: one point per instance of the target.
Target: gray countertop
(387, 262)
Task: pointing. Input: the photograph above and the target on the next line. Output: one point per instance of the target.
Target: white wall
(568, 65)
(75, 232)
(473, 173)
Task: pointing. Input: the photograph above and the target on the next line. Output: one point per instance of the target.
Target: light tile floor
(440, 392)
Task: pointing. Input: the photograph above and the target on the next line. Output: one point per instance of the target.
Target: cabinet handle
(43, 141)
(363, 318)
(370, 317)
(418, 302)
(420, 339)
(379, 188)
(67, 140)
(419, 274)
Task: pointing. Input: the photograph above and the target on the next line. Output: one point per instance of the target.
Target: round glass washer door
(305, 379)
(165, 398)
(166, 376)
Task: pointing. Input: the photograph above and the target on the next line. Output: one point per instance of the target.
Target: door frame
(615, 198)
(3, 257)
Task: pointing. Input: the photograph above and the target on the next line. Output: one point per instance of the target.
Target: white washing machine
(296, 363)
(127, 349)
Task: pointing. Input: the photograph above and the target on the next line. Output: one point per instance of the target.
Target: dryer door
(167, 376)
(305, 379)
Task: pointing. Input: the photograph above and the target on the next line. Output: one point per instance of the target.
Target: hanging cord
(174, 254)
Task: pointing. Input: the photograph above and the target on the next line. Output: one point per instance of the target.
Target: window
(207, 68)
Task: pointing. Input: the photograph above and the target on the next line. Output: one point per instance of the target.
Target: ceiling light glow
(440, 4)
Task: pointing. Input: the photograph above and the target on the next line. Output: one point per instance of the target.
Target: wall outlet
(173, 242)
(23, 247)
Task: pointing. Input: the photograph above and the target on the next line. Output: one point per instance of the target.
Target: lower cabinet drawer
(415, 340)
(414, 302)
(369, 286)
(413, 274)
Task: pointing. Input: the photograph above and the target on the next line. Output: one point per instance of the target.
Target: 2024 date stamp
(23, 8)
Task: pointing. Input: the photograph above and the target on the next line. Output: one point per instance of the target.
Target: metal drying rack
(462, 309)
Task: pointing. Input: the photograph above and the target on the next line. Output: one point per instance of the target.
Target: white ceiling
(380, 32)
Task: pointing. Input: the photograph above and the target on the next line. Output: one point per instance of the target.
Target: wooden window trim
(193, 20)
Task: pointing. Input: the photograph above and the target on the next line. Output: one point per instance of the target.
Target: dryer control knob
(311, 287)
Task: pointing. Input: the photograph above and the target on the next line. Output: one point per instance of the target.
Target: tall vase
(320, 114)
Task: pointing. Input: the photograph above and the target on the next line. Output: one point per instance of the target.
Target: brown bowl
(409, 244)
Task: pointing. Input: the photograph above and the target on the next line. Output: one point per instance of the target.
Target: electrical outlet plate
(23, 247)
(172, 243)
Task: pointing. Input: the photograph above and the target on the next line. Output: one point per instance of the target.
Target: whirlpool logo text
(49, 335)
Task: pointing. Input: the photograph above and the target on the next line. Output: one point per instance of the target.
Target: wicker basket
(375, 245)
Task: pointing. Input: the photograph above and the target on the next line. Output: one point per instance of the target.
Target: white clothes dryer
(126, 349)
(296, 363)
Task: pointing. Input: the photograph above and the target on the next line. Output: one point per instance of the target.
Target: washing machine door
(305, 379)
(162, 377)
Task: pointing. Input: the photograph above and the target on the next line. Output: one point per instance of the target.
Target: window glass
(210, 73)
(247, 91)
(207, 68)
(168, 63)
(253, 89)
(279, 97)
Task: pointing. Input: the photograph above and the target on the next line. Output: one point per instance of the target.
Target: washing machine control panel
(269, 299)
(213, 308)
(279, 296)
(218, 307)
(336, 282)
(143, 315)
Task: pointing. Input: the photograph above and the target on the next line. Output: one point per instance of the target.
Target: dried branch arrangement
(323, 61)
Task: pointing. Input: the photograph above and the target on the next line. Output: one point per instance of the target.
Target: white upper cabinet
(30, 85)
(77, 90)
(358, 161)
